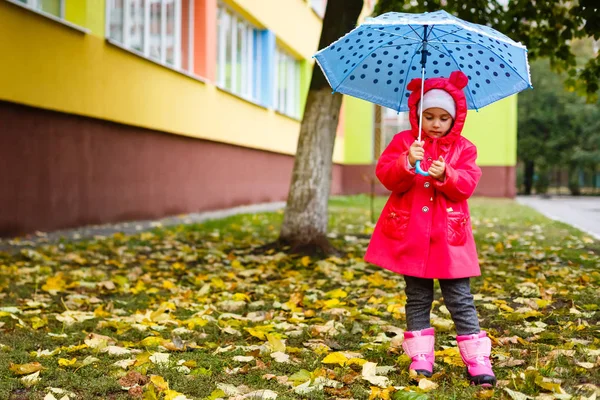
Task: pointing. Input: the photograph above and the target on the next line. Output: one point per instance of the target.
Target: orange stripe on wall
(185, 34)
(205, 38)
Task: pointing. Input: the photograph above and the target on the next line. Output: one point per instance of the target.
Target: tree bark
(305, 221)
(574, 187)
(528, 178)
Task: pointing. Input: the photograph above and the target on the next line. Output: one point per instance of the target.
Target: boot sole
(482, 380)
(423, 372)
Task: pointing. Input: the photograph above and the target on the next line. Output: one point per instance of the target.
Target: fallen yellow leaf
(25, 369)
(63, 362)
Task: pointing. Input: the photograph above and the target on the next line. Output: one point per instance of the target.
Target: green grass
(200, 284)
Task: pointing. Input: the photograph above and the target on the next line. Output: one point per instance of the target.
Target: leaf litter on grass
(190, 312)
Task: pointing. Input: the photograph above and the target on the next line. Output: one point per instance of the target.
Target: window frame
(125, 42)
(228, 35)
(60, 20)
(288, 102)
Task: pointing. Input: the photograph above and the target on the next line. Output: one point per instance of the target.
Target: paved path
(88, 232)
(581, 212)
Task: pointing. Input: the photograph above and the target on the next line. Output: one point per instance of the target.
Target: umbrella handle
(419, 170)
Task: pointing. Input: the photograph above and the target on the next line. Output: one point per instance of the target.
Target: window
(319, 7)
(161, 30)
(287, 84)
(53, 7)
(238, 55)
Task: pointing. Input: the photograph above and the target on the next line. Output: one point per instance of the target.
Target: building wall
(64, 171)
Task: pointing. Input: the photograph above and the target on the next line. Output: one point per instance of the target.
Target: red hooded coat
(425, 227)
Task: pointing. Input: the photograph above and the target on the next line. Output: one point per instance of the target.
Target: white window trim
(146, 53)
(52, 17)
(289, 103)
(237, 26)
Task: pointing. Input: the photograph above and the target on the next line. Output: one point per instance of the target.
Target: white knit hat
(438, 98)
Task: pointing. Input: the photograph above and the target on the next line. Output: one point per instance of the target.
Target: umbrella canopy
(376, 60)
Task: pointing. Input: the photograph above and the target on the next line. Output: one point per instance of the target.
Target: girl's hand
(438, 169)
(416, 152)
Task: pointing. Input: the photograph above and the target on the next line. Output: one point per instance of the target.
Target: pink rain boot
(418, 345)
(475, 351)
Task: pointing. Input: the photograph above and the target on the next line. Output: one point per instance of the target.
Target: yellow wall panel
(54, 67)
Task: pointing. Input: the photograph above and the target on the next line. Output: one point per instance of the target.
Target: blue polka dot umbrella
(376, 60)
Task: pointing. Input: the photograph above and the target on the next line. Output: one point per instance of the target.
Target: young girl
(424, 231)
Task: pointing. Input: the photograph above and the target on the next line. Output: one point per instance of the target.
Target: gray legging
(457, 298)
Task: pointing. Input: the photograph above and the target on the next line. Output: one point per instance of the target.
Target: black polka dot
(474, 92)
(390, 73)
(362, 76)
(492, 59)
(396, 90)
(507, 75)
(389, 82)
(379, 62)
(377, 70)
(365, 66)
(414, 68)
(501, 65)
(495, 73)
(390, 65)
(373, 55)
(488, 81)
(436, 71)
(477, 85)
(375, 80)
(352, 77)
(407, 95)
(448, 63)
(385, 53)
(396, 57)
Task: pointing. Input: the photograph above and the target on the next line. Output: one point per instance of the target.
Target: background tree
(546, 27)
(555, 127)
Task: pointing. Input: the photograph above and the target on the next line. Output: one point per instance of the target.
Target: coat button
(425, 209)
(427, 184)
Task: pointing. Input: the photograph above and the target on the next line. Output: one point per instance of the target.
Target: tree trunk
(305, 221)
(574, 179)
(306, 217)
(528, 178)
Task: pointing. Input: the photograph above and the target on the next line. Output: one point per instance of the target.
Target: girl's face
(436, 122)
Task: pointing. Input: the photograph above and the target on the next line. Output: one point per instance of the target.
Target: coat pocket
(457, 228)
(395, 223)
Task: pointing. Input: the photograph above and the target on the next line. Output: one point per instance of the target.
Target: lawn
(189, 312)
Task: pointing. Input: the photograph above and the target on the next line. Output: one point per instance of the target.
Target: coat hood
(454, 85)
